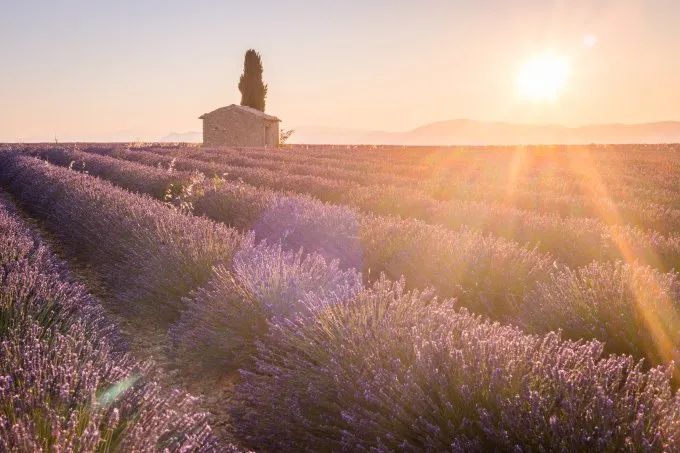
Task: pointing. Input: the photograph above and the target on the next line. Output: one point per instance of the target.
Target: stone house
(237, 125)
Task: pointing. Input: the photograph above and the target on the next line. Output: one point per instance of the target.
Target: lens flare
(589, 40)
(658, 322)
(112, 393)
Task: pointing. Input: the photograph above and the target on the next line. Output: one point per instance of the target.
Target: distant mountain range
(470, 132)
(183, 137)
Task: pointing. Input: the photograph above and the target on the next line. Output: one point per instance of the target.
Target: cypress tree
(252, 88)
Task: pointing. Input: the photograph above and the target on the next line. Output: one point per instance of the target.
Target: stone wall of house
(231, 127)
(272, 133)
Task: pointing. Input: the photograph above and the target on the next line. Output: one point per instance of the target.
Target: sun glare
(543, 78)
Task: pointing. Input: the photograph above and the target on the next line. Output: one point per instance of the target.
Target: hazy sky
(102, 70)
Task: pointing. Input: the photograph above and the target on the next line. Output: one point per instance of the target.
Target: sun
(542, 78)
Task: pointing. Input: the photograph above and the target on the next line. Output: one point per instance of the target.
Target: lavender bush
(303, 222)
(157, 182)
(322, 188)
(65, 384)
(396, 370)
(298, 167)
(575, 241)
(477, 172)
(634, 309)
(265, 284)
(68, 392)
(283, 280)
(482, 174)
(148, 255)
(267, 156)
(297, 221)
(483, 272)
(236, 204)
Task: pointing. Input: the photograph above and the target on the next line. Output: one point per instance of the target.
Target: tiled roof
(250, 110)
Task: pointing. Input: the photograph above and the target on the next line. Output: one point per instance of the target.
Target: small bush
(485, 273)
(266, 284)
(633, 308)
(303, 222)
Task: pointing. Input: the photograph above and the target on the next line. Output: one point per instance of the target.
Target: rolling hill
(471, 132)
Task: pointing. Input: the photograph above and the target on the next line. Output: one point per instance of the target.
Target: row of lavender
(631, 165)
(555, 182)
(597, 301)
(574, 241)
(553, 187)
(627, 164)
(65, 382)
(477, 269)
(151, 257)
(365, 368)
(615, 164)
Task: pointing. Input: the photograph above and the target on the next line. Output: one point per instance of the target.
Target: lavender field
(339, 298)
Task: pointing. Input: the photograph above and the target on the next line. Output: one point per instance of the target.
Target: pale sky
(104, 70)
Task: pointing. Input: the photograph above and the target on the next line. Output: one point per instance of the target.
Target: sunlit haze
(83, 70)
(543, 78)
(432, 225)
